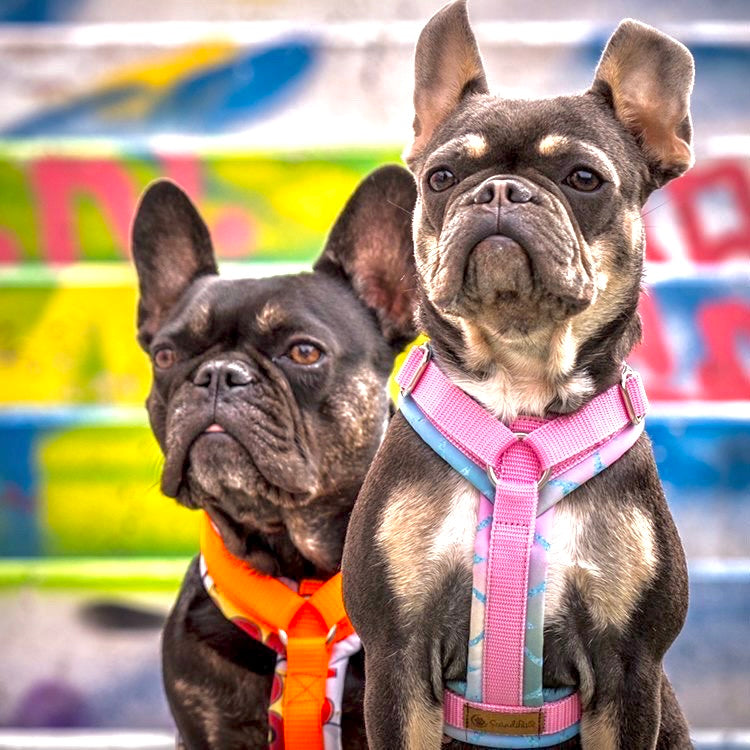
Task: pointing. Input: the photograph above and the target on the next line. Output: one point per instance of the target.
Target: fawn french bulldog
(529, 252)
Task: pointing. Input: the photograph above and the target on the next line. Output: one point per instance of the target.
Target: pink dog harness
(520, 473)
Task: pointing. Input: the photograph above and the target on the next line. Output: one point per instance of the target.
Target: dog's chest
(604, 552)
(425, 533)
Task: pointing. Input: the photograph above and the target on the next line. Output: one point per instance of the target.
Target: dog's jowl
(269, 401)
(511, 564)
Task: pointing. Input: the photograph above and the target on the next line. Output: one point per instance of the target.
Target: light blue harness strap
(445, 449)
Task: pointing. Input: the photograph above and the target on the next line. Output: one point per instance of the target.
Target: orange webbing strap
(311, 625)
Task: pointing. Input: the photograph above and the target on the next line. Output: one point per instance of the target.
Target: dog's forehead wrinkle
(559, 145)
(270, 317)
(473, 145)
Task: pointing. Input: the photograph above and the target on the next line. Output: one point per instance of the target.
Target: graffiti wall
(269, 125)
(268, 114)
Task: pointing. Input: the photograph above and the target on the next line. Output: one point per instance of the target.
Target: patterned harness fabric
(340, 652)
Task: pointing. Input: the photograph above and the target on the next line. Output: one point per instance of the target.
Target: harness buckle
(543, 479)
(627, 372)
(414, 379)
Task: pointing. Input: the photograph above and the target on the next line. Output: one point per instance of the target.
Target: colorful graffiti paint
(211, 88)
(85, 482)
(260, 207)
(76, 345)
(82, 482)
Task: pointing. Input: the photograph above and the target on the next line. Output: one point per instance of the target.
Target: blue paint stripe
(479, 595)
(538, 589)
(476, 639)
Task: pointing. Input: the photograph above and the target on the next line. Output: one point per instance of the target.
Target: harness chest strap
(307, 626)
(517, 463)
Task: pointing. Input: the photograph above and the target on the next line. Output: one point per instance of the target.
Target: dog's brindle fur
(530, 272)
(281, 478)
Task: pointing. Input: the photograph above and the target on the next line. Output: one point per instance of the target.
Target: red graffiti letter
(57, 181)
(723, 374)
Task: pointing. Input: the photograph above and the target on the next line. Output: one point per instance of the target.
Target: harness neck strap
(307, 627)
(557, 444)
(517, 463)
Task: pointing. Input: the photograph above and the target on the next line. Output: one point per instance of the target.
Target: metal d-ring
(414, 379)
(284, 638)
(629, 408)
(542, 479)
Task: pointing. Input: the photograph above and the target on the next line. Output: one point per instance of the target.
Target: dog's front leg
(632, 708)
(401, 710)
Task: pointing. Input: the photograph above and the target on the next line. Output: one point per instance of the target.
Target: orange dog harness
(309, 630)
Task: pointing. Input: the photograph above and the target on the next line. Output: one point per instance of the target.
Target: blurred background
(268, 114)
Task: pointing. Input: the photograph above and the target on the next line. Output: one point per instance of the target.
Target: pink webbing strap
(473, 430)
(511, 538)
(606, 414)
(556, 715)
(469, 426)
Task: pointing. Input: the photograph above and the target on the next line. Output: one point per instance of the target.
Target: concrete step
(13, 739)
(69, 660)
(311, 83)
(129, 740)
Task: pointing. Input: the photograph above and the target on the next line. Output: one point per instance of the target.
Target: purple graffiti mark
(58, 181)
(12, 496)
(51, 704)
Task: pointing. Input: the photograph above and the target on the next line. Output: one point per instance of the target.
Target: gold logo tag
(526, 723)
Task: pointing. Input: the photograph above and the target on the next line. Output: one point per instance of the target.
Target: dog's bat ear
(447, 68)
(370, 247)
(171, 248)
(649, 77)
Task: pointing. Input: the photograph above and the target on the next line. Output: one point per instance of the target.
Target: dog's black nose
(499, 190)
(224, 373)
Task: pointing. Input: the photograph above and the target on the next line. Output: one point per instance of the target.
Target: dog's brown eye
(441, 179)
(164, 358)
(583, 180)
(305, 354)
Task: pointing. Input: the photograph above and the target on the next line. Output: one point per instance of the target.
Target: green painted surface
(99, 495)
(99, 574)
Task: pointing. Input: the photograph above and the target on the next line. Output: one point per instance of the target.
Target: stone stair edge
(351, 34)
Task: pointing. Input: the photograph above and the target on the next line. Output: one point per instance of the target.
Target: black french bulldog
(269, 401)
(529, 251)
